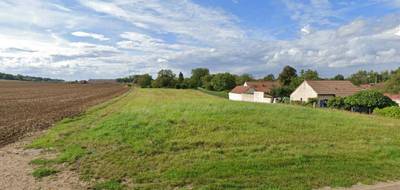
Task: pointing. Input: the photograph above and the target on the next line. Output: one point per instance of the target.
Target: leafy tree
(368, 100)
(280, 92)
(223, 81)
(287, 75)
(309, 75)
(338, 77)
(393, 84)
(180, 77)
(269, 77)
(144, 81)
(240, 80)
(165, 79)
(206, 80)
(197, 74)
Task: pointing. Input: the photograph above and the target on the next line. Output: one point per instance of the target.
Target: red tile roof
(393, 96)
(240, 89)
(335, 87)
(263, 86)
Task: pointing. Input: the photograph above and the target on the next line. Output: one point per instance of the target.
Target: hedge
(388, 112)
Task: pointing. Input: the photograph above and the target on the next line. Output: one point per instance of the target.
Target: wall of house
(259, 97)
(235, 97)
(256, 97)
(397, 101)
(303, 93)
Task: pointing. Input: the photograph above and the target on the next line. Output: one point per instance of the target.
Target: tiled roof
(393, 96)
(240, 89)
(336, 87)
(263, 86)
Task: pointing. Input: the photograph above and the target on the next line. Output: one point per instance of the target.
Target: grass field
(163, 139)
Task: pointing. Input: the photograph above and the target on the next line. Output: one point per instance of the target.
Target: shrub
(368, 100)
(388, 112)
(337, 103)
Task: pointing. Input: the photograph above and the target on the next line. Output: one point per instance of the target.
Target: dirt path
(16, 172)
(378, 186)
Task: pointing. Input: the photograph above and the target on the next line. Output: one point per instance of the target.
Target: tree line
(289, 78)
(5, 76)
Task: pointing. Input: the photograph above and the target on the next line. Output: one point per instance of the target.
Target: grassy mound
(163, 139)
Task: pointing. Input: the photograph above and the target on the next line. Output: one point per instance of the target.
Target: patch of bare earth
(378, 186)
(16, 170)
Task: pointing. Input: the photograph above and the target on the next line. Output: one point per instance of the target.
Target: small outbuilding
(322, 90)
(259, 91)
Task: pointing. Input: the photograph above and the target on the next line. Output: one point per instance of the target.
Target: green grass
(109, 185)
(166, 139)
(43, 172)
(222, 94)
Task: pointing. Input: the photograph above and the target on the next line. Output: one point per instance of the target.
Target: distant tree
(144, 81)
(338, 77)
(309, 75)
(240, 80)
(206, 81)
(197, 74)
(165, 79)
(393, 84)
(269, 77)
(180, 77)
(287, 74)
(223, 81)
(280, 92)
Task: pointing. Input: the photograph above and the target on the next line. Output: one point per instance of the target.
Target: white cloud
(90, 35)
(145, 36)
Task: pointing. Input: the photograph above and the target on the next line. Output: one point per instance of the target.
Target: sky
(82, 39)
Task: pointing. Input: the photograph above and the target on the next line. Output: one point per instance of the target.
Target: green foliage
(338, 77)
(269, 77)
(240, 80)
(287, 75)
(109, 185)
(223, 81)
(43, 172)
(283, 91)
(309, 75)
(165, 79)
(393, 84)
(393, 112)
(206, 81)
(368, 100)
(197, 75)
(188, 138)
(222, 94)
(365, 77)
(144, 81)
(337, 103)
(6, 76)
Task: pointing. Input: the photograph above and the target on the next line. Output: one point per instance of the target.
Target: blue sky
(81, 39)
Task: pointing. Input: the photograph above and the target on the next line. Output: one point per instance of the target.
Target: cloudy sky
(80, 39)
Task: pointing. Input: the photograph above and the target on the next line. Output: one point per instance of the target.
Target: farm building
(394, 97)
(254, 92)
(322, 90)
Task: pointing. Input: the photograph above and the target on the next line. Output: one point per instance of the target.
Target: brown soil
(33, 106)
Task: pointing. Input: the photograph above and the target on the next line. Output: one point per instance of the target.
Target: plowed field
(29, 106)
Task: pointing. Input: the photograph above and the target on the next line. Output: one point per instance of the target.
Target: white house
(322, 90)
(394, 97)
(254, 92)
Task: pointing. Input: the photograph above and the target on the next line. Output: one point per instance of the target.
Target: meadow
(186, 139)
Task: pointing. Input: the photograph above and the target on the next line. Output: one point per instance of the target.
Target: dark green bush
(393, 111)
(43, 172)
(368, 100)
(337, 103)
